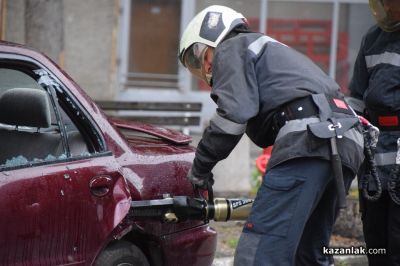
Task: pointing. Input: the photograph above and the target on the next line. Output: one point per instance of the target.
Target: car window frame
(104, 151)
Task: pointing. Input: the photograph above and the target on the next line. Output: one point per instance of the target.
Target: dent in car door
(50, 215)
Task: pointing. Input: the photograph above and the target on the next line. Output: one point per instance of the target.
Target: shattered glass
(16, 161)
(21, 160)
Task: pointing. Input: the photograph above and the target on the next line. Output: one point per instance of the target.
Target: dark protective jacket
(253, 77)
(376, 81)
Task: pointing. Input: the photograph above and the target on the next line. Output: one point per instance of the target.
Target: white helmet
(386, 13)
(207, 29)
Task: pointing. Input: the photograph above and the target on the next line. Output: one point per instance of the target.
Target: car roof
(25, 50)
(16, 45)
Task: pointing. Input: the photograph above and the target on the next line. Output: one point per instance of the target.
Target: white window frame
(123, 47)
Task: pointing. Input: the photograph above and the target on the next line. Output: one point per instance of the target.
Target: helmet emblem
(213, 19)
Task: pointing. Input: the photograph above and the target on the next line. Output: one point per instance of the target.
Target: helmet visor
(193, 59)
(386, 13)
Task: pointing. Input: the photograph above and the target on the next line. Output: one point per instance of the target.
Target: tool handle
(339, 184)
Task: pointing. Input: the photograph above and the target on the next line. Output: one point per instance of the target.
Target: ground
(229, 232)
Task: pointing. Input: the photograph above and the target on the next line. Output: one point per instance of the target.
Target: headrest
(25, 107)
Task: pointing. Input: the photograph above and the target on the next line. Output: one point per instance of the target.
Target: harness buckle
(333, 127)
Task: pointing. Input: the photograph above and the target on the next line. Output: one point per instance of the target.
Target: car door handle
(101, 185)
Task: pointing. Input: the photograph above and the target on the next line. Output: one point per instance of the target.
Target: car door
(61, 194)
(59, 213)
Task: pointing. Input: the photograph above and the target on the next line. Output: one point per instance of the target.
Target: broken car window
(29, 130)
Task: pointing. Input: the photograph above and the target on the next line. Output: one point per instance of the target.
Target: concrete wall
(81, 37)
(233, 175)
(90, 28)
(15, 21)
(44, 27)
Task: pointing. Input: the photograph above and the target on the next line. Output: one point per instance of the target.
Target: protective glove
(200, 182)
(202, 185)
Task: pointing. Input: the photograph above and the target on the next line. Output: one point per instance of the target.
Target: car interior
(29, 130)
(26, 116)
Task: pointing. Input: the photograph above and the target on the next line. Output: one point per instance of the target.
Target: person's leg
(374, 219)
(284, 202)
(318, 230)
(393, 231)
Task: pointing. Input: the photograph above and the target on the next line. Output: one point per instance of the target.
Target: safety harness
(394, 178)
(371, 134)
(385, 121)
(323, 115)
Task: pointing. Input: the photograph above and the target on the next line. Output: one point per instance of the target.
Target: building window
(153, 44)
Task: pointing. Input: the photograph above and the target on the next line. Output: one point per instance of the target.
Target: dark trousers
(292, 216)
(381, 226)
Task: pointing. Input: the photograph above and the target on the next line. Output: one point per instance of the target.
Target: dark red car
(68, 175)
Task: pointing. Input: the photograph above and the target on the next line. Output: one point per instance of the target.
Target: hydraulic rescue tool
(172, 209)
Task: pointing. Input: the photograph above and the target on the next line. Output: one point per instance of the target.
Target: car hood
(163, 133)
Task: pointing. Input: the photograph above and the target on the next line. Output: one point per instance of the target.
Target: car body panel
(158, 169)
(198, 243)
(49, 204)
(173, 136)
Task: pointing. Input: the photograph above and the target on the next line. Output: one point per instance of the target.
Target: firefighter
(278, 97)
(376, 82)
